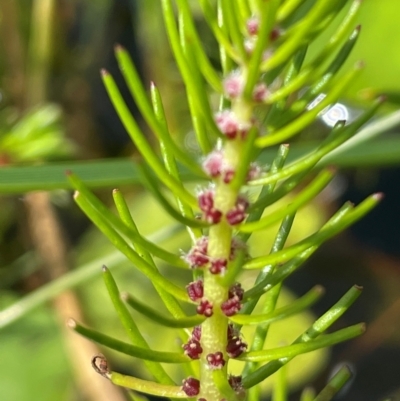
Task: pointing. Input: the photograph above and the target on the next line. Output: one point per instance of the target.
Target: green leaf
(152, 185)
(123, 246)
(318, 238)
(147, 387)
(292, 128)
(312, 190)
(75, 278)
(335, 384)
(128, 349)
(318, 327)
(169, 301)
(183, 322)
(160, 129)
(281, 313)
(141, 142)
(301, 348)
(129, 231)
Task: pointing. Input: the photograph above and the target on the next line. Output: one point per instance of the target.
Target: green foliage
(262, 47)
(269, 92)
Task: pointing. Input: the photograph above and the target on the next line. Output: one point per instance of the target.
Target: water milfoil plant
(269, 91)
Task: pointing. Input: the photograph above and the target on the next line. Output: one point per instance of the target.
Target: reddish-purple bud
(191, 386)
(260, 92)
(274, 35)
(202, 244)
(218, 266)
(205, 308)
(193, 349)
(238, 213)
(206, 204)
(196, 333)
(235, 216)
(213, 216)
(231, 306)
(233, 85)
(195, 290)
(216, 360)
(228, 175)
(252, 26)
(197, 256)
(227, 123)
(230, 126)
(196, 259)
(236, 290)
(235, 382)
(235, 347)
(206, 200)
(213, 164)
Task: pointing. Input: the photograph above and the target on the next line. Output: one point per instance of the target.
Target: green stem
(147, 387)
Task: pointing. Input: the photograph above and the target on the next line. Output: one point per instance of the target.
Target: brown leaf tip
(100, 365)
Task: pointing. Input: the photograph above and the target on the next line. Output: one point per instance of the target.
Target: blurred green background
(53, 108)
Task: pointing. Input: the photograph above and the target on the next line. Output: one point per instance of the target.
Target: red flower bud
(205, 308)
(191, 386)
(192, 349)
(216, 360)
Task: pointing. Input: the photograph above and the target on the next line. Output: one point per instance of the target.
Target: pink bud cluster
(206, 203)
(238, 213)
(191, 386)
(215, 166)
(236, 384)
(233, 304)
(193, 348)
(198, 258)
(236, 346)
(205, 308)
(230, 126)
(234, 84)
(216, 360)
(213, 216)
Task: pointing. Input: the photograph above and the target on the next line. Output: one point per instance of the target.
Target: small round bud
(233, 85)
(197, 256)
(195, 290)
(193, 349)
(191, 386)
(235, 347)
(216, 360)
(236, 290)
(205, 308)
(252, 26)
(196, 333)
(218, 266)
(231, 306)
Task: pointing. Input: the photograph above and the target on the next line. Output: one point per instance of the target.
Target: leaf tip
(104, 73)
(118, 48)
(71, 323)
(104, 269)
(100, 365)
(378, 196)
